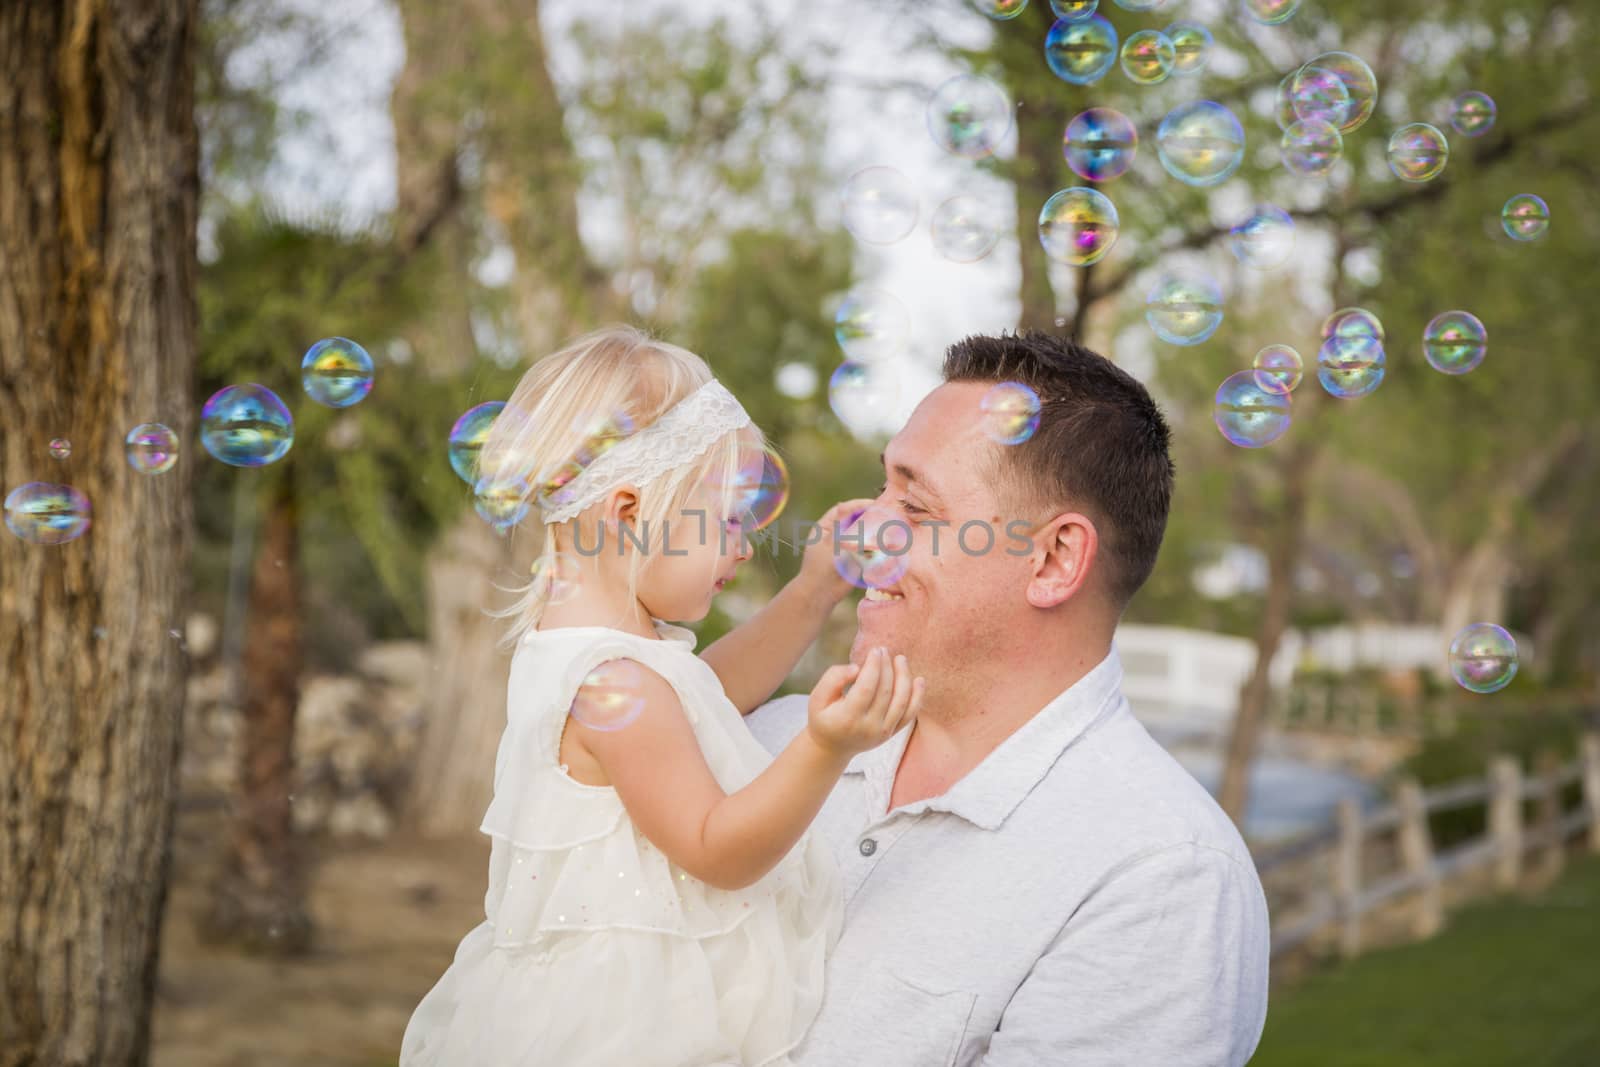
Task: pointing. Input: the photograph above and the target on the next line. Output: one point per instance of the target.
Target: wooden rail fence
(1340, 892)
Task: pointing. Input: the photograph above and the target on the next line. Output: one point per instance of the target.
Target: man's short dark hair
(1101, 446)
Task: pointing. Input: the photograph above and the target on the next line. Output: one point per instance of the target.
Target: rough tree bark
(98, 190)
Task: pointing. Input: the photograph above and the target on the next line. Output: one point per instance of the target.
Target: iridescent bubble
(1141, 5)
(1270, 12)
(336, 372)
(1472, 113)
(42, 513)
(502, 502)
(1148, 57)
(1352, 322)
(151, 448)
(1200, 143)
(1073, 9)
(467, 437)
(871, 325)
(1361, 86)
(969, 116)
(1278, 369)
(1010, 413)
(1311, 148)
(1455, 342)
(863, 397)
(760, 488)
(870, 551)
(246, 426)
(1184, 309)
(611, 696)
(60, 448)
(1099, 144)
(1078, 226)
(965, 228)
(1283, 102)
(1417, 152)
(1191, 47)
(1248, 415)
(559, 576)
(880, 205)
(1525, 217)
(1483, 658)
(598, 433)
(1350, 365)
(1080, 51)
(1265, 240)
(1318, 94)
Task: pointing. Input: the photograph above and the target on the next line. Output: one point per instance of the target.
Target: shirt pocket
(929, 1026)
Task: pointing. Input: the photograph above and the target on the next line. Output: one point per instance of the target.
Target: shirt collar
(992, 790)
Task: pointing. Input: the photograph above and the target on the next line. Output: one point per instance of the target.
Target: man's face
(962, 585)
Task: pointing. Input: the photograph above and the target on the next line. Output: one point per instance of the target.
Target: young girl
(654, 897)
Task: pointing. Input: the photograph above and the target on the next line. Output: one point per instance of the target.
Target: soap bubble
(863, 397)
(880, 205)
(1141, 5)
(1318, 94)
(467, 437)
(1270, 12)
(611, 696)
(1311, 148)
(42, 513)
(1525, 217)
(965, 228)
(1264, 240)
(1278, 369)
(1483, 658)
(1010, 413)
(336, 372)
(1361, 86)
(502, 502)
(1147, 57)
(1472, 114)
(1352, 322)
(760, 488)
(1184, 309)
(1080, 51)
(1350, 365)
(1073, 9)
(1248, 415)
(1417, 152)
(558, 575)
(151, 448)
(969, 116)
(1455, 342)
(1099, 144)
(871, 325)
(1078, 226)
(870, 550)
(1200, 143)
(1283, 102)
(246, 426)
(1191, 47)
(60, 448)
(597, 434)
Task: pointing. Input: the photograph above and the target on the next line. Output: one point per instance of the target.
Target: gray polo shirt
(1077, 899)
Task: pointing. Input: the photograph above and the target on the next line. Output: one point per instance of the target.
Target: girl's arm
(754, 658)
(731, 840)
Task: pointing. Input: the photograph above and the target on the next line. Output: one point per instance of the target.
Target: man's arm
(1164, 963)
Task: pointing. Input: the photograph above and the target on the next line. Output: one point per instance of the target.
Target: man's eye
(911, 509)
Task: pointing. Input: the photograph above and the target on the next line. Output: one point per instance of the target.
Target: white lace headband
(679, 436)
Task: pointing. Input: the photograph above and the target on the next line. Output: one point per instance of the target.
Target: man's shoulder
(776, 722)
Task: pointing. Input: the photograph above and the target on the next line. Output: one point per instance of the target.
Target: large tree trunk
(529, 188)
(98, 190)
(258, 897)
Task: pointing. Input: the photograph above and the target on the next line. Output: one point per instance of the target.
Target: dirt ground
(388, 918)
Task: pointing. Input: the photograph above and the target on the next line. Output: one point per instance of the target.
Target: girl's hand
(818, 571)
(883, 698)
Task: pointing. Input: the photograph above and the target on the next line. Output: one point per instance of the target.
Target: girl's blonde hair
(615, 380)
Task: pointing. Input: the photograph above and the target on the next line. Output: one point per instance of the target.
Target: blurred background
(293, 657)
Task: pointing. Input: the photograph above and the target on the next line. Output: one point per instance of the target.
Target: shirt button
(868, 846)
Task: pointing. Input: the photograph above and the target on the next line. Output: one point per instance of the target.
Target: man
(1029, 877)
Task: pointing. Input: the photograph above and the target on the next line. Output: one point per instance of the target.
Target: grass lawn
(1509, 983)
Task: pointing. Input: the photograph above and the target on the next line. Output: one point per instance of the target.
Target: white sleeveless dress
(598, 951)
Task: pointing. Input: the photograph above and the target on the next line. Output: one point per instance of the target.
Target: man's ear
(1068, 546)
